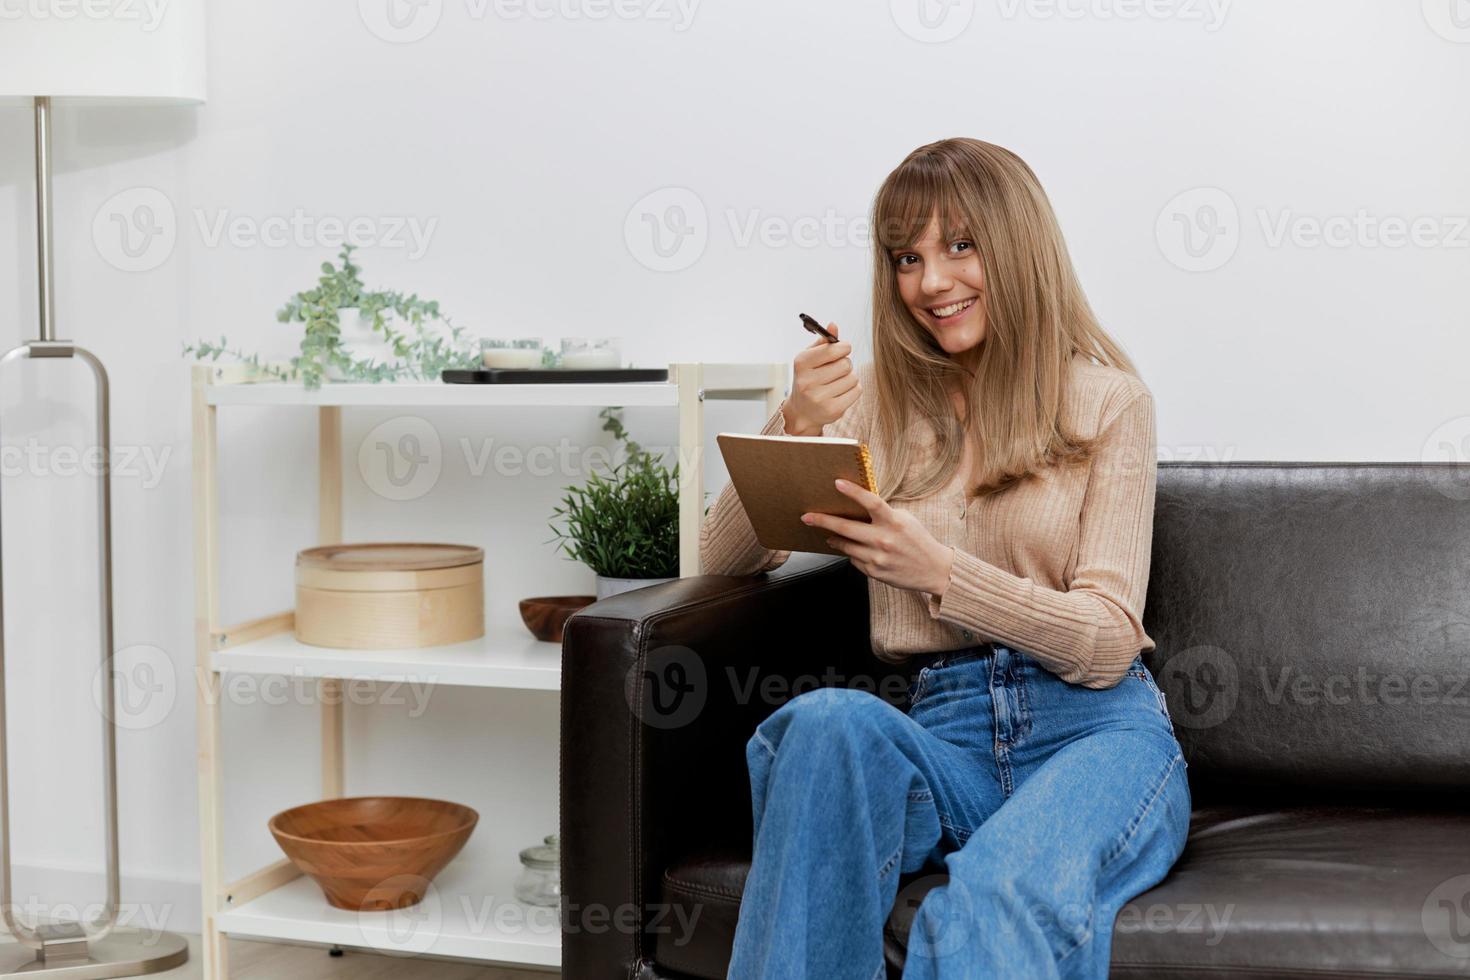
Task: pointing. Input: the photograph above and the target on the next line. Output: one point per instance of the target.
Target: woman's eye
(902, 260)
(958, 246)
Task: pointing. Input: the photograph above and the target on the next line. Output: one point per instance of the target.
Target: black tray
(503, 376)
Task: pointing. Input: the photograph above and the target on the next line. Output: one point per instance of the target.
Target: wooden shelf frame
(264, 645)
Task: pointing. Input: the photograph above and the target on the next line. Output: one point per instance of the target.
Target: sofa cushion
(1320, 606)
(1307, 891)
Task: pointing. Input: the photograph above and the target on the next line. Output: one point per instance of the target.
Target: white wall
(523, 146)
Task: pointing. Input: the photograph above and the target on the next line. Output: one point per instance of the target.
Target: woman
(1007, 557)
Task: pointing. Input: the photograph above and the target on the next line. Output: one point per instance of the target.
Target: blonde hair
(1036, 316)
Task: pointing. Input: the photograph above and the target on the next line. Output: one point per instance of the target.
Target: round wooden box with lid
(389, 596)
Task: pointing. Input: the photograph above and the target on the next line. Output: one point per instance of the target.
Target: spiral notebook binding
(865, 459)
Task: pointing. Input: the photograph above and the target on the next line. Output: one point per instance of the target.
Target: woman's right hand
(824, 385)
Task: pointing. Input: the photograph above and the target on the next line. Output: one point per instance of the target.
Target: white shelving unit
(477, 917)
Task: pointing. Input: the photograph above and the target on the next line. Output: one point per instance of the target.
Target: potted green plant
(353, 333)
(624, 526)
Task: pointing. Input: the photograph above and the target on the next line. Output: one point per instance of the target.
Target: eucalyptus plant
(420, 353)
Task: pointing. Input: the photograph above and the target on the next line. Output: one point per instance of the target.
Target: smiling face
(942, 282)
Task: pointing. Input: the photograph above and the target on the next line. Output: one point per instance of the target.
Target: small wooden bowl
(373, 852)
(544, 615)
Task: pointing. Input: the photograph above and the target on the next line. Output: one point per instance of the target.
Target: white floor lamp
(87, 52)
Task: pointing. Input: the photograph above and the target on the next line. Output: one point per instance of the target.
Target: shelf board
(750, 381)
(472, 914)
(505, 657)
(640, 393)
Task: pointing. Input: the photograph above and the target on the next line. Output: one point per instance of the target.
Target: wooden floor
(271, 961)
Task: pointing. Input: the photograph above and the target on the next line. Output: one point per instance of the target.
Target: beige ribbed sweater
(1055, 567)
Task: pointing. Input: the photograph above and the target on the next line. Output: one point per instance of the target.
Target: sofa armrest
(661, 690)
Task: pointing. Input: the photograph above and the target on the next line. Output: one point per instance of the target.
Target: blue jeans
(1049, 805)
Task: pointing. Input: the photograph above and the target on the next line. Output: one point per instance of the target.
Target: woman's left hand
(895, 548)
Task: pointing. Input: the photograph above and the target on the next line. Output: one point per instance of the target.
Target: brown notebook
(779, 478)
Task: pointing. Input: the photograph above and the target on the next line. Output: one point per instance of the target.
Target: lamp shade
(133, 50)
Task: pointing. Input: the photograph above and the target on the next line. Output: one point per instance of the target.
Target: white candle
(603, 358)
(510, 357)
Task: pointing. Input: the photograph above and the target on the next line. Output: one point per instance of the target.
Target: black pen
(816, 328)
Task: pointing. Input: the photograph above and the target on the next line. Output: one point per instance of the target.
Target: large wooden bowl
(373, 852)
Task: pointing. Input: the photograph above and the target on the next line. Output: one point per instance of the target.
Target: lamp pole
(43, 217)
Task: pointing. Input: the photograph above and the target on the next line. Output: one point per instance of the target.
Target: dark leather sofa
(1313, 631)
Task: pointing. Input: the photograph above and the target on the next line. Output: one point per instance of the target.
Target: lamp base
(121, 953)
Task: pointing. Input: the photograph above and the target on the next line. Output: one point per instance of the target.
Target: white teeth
(952, 309)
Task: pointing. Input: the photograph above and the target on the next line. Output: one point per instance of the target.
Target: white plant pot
(607, 586)
(360, 340)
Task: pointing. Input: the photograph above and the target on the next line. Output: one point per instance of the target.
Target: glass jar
(539, 882)
(594, 352)
(522, 352)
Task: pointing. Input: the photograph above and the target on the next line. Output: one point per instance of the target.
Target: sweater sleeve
(1090, 633)
(727, 542)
